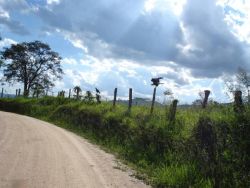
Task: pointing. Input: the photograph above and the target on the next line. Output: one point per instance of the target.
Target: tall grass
(201, 148)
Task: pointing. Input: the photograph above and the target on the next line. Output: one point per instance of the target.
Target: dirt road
(34, 153)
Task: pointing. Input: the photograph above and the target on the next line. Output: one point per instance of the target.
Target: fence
(238, 104)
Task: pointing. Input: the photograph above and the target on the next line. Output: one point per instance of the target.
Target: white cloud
(106, 74)
(6, 42)
(149, 5)
(75, 79)
(176, 6)
(4, 13)
(237, 16)
(49, 2)
(6, 8)
(69, 61)
(76, 42)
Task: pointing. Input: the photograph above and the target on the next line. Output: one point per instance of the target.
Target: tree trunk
(37, 93)
(26, 84)
(25, 89)
(2, 93)
(248, 94)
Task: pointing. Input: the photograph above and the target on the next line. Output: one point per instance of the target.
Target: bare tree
(168, 96)
(241, 82)
(244, 79)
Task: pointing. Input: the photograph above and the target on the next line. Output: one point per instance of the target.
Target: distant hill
(139, 102)
(8, 96)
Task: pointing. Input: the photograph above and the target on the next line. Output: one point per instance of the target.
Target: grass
(201, 148)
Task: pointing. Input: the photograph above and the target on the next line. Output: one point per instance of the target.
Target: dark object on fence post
(115, 94)
(19, 92)
(238, 103)
(69, 93)
(98, 96)
(156, 82)
(204, 103)
(153, 101)
(130, 100)
(2, 93)
(172, 111)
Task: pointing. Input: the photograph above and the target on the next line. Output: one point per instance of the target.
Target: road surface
(34, 153)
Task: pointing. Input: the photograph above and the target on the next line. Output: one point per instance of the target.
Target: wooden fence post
(16, 92)
(172, 110)
(115, 94)
(130, 100)
(238, 103)
(69, 93)
(19, 92)
(98, 98)
(204, 103)
(2, 93)
(153, 101)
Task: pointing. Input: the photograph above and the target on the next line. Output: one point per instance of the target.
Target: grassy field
(201, 148)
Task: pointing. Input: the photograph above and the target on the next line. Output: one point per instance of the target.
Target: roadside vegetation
(200, 148)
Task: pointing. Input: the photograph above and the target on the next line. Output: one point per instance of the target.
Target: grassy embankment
(202, 148)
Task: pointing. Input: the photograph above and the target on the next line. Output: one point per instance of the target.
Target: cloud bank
(199, 39)
(125, 43)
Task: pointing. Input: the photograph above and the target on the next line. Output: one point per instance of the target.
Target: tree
(77, 90)
(241, 82)
(1, 63)
(37, 90)
(168, 96)
(31, 63)
(61, 93)
(244, 79)
(88, 97)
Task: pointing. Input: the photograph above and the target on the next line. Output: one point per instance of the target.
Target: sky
(193, 44)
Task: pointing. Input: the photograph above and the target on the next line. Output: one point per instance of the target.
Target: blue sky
(193, 44)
